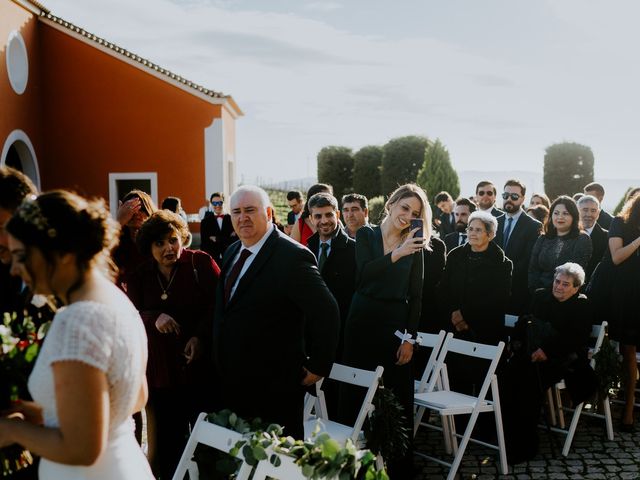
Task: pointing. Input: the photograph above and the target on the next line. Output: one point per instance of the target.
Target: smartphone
(417, 223)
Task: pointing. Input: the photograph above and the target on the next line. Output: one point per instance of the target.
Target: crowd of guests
(257, 316)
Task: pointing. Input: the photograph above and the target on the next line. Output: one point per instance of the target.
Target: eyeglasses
(514, 196)
(475, 230)
(216, 204)
(488, 193)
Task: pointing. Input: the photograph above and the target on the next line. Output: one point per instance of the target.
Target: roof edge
(33, 6)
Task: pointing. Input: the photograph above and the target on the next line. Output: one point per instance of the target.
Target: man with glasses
(516, 235)
(216, 230)
(486, 194)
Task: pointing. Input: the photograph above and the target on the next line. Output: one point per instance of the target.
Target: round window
(17, 62)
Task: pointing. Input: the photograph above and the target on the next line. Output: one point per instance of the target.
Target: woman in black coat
(549, 345)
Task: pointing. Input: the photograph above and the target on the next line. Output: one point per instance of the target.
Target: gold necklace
(165, 295)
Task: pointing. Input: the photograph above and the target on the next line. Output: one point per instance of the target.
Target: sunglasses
(216, 204)
(514, 196)
(488, 193)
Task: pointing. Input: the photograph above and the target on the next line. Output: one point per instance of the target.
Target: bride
(90, 375)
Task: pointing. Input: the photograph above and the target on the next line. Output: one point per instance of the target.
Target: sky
(497, 81)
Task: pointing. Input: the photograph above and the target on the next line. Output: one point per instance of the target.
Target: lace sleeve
(84, 335)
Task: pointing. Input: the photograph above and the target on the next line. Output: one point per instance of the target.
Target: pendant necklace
(165, 295)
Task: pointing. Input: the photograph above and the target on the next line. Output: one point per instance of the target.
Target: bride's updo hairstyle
(60, 222)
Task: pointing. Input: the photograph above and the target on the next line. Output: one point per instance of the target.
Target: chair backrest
(598, 332)
(433, 341)
(471, 349)
(214, 436)
(287, 470)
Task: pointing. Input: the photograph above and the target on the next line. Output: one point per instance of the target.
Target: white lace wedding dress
(112, 339)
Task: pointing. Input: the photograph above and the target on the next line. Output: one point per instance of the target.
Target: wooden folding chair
(338, 431)
(214, 436)
(449, 403)
(598, 332)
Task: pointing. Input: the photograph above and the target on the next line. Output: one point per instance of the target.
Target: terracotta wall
(20, 111)
(103, 115)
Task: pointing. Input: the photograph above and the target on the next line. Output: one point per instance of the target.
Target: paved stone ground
(592, 456)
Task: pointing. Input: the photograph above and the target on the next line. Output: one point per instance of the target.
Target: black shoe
(627, 427)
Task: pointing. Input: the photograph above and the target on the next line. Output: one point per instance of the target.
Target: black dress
(625, 287)
(388, 298)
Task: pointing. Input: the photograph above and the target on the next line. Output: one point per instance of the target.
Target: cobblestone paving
(592, 456)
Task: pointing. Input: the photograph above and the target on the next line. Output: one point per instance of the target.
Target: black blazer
(225, 236)
(339, 272)
(521, 241)
(604, 220)
(599, 243)
(452, 240)
(281, 318)
(447, 224)
(496, 212)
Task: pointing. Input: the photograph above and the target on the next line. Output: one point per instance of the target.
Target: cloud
(325, 6)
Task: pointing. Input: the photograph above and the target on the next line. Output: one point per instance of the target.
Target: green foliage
(608, 368)
(279, 201)
(402, 158)
(437, 174)
(335, 167)
(367, 163)
(568, 167)
(385, 431)
(376, 209)
(319, 458)
(622, 201)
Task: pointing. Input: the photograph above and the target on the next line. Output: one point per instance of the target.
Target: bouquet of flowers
(20, 340)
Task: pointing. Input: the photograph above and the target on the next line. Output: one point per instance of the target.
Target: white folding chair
(449, 403)
(214, 436)
(598, 332)
(287, 470)
(338, 431)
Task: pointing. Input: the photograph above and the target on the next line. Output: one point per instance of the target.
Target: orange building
(79, 112)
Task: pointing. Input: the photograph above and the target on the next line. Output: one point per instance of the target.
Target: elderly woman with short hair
(549, 345)
(476, 283)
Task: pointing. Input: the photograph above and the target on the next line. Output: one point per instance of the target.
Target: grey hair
(264, 196)
(588, 198)
(489, 221)
(572, 270)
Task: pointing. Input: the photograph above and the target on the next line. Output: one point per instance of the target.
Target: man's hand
(192, 349)
(166, 324)
(458, 321)
(539, 356)
(309, 378)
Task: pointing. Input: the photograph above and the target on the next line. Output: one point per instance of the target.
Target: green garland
(608, 368)
(385, 431)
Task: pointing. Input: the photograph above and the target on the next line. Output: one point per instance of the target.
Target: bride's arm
(82, 398)
(143, 396)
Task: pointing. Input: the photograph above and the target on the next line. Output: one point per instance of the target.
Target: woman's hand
(457, 320)
(25, 410)
(404, 354)
(166, 324)
(410, 245)
(192, 349)
(539, 356)
(127, 210)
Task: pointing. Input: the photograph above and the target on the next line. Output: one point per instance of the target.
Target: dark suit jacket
(599, 242)
(452, 240)
(281, 318)
(496, 212)
(604, 220)
(224, 237)
(447, 224)
(339, 272)
(521, 241)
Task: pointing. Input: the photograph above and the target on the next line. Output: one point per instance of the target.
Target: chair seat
(335, 430)
(449, 401)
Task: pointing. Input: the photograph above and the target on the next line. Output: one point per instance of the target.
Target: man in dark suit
(216, 230)
(516, 235)
(589, 208)
(597, 190)
(464, 207)
(447, 221)
(266, 357)
(486, 196)
(336, 253)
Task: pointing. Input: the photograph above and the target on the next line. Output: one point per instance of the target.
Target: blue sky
(496, 80)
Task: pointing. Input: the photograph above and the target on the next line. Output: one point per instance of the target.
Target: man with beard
(464, 207)
(516, 235)
(589, 208)
(486, 196)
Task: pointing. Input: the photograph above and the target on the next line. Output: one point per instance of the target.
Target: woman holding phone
(389, 262)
